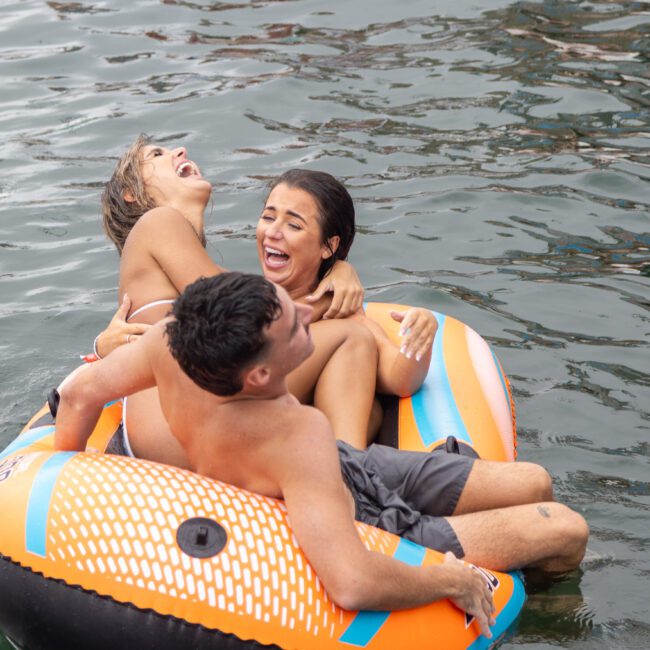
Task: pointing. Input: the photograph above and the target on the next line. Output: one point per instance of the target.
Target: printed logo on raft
(492, 583)
(15, 464)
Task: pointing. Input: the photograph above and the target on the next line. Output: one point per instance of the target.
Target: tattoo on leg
(544, 512)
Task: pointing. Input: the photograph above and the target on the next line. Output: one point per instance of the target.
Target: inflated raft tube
(466, 394)
(104, 551)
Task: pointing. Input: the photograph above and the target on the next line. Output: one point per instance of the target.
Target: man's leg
(442, 484)
(481, 510)
(548, 536)
(493, 484)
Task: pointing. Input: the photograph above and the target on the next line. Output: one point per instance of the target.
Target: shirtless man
(238, 336)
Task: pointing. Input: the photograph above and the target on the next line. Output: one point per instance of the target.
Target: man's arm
(83, 395)
(309, 472)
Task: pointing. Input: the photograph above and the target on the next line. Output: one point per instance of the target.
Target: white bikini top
(155, 303)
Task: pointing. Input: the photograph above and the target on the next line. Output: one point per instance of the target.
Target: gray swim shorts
(408, 493)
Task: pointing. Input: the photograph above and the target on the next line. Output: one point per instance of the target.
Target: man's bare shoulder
(304, 429)
(156, 335)
(279, 422)
(154, 344)
(285, 410)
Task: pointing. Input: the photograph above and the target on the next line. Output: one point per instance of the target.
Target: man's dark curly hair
(219, 328)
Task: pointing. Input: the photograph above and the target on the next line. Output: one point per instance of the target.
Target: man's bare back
(242, 441)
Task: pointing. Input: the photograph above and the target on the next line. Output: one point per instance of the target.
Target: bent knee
(360, 338)
(539, 482)
(571, 527)
(579, 529)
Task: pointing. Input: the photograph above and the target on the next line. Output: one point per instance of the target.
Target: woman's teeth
(186, 169)
(275, 257)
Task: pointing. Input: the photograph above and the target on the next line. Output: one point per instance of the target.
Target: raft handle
(452, 446)
(53, 399)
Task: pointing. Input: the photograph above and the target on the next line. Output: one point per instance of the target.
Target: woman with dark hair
(307, 224)
(336, 218)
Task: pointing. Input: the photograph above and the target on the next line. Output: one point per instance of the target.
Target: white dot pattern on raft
(116, 516)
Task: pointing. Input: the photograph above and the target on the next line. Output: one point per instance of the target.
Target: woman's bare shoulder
(162, 217)
(159, 226)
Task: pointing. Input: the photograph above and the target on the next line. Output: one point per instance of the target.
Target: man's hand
(343, 282)
(119, 331)
(419, 327)
(475, 596)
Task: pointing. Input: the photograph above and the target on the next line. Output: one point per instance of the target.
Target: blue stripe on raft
(410, 552)
(434, 406)
(366, 624)
(26, 439)
(507, 616)
(39, 501)
(502, 378)
(363, 628)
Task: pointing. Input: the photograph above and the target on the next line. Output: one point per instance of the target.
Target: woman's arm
(346, 289)
(168, 238)
(401, 371)
(163, 255)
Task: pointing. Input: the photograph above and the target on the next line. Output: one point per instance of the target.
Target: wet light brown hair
(120, 215)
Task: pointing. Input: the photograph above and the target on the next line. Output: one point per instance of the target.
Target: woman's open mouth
(275, 258)
(187, 169)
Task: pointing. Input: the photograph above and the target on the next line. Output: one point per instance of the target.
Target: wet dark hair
(335, 208)
(219, 328)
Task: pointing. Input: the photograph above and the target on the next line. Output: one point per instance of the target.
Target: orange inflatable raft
(102, 551)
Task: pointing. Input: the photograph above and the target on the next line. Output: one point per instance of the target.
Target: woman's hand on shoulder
(118, 332)
(347, 292)
(418, 330)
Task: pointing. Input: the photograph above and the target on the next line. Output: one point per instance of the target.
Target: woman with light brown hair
(154, 207)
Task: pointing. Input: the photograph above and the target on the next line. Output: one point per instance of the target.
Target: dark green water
(498, 154)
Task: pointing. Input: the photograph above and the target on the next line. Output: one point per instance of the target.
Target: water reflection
(576, 256)
(555, 610)
(550, 47)
(63, 8)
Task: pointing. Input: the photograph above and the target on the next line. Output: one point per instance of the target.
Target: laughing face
(171, 179)
(289, 240)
